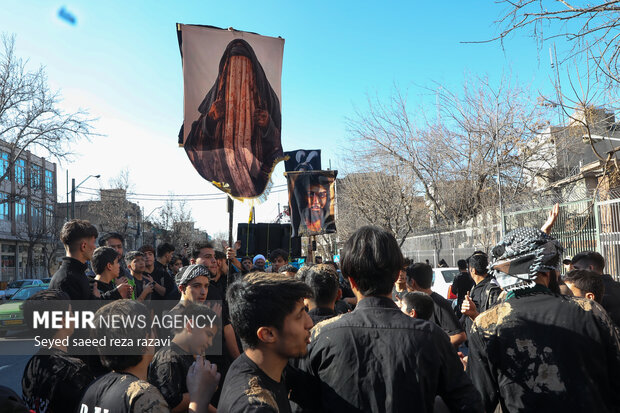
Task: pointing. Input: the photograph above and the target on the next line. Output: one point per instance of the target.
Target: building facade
(28, 231)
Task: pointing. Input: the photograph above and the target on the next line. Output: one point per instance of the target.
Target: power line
(275, 188)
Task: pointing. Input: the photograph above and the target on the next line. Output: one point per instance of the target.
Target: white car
(442, 281)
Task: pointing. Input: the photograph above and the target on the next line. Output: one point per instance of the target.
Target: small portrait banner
(312, 201)
(232, 115)
(303, 160)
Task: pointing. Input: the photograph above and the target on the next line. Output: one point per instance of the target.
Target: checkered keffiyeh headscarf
(186, 274)
(522, 254)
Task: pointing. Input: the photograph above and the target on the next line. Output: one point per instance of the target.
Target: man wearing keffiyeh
(539, 350)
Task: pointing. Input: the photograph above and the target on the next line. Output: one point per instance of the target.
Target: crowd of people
(365, 335)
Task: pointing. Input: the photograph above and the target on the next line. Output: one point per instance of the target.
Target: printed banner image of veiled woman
(235, 142)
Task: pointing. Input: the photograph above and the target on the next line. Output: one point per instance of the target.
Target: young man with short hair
(125, 389)
(585, 284)
(246, 264)
(78, 237)
(323, 281)
(105, 263)
(418, 305)
(593, 261)
(376, 358)
(142, 288)
(53, 381)
(485, 293)
(420, 278)
(400, 286)
(171, 364)
(116, 241)
(278, 258)
(205, 253)
(461, 285)
(161, 275)
(268, 312)
(159, 291)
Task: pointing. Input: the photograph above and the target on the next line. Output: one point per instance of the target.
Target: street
(12, 367)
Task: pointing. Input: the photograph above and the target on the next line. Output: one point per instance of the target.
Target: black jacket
(611, 298)
(542, 352)
(71, 278)
(377, 359)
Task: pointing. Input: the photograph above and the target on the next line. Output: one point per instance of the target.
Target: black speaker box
(264, 238)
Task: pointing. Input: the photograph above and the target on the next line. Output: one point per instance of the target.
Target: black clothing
(168, 372)
(107, 291)
(342, 307)
(444, 316)
(611, 298)
(248, 389)
(376, 358)
(460, 286)
(540, 352)
(123, 393)
(485, 295)
(53, 381)
(138, 288)
(162, 277)
(398, 295)
(319, 314)
(71, 279)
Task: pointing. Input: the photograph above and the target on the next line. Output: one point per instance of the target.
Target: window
(49, 182)
(4, 163)
(36, 214)
(20, 211)
(35, 177)
(20, 172)
(4, 207)
(49, 216)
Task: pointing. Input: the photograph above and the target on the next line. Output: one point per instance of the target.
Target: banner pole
(231, 207)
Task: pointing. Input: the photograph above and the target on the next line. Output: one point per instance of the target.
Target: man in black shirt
(107, 268)
(400, 286)
(142, 287)
(420, 278)
(418, 305)
(171, 364)
(267, 310)
(485, 293)
(376, 358)
(78, 237)
(116, 241)
(593, 261)
(53, 381)
(323, 280)
(161, 275)
(125, 389)
(539, 351)
(461, 285)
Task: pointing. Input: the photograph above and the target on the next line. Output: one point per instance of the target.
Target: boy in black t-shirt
(53, 381)
(267, 310)
(105, 263)
(125, 389)
(171, 364)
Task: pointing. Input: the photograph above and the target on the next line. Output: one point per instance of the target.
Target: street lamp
(597, 138)
(74, 187)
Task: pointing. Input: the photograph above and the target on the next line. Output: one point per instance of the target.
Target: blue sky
(121, 62)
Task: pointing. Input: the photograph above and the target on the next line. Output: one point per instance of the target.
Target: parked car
(11, 314)
(17, 284)
(442, 281)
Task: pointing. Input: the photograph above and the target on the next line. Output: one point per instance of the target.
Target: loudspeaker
(264, 238)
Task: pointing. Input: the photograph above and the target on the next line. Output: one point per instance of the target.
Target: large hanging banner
(312, 201)
(232, 122)
(303, 160)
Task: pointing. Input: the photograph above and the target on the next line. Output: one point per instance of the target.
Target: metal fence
(588, 224)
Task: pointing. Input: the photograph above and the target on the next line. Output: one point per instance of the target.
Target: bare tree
(591, 29)
(456, 156)
(176, 223)
(381, 199)
(30, 117)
